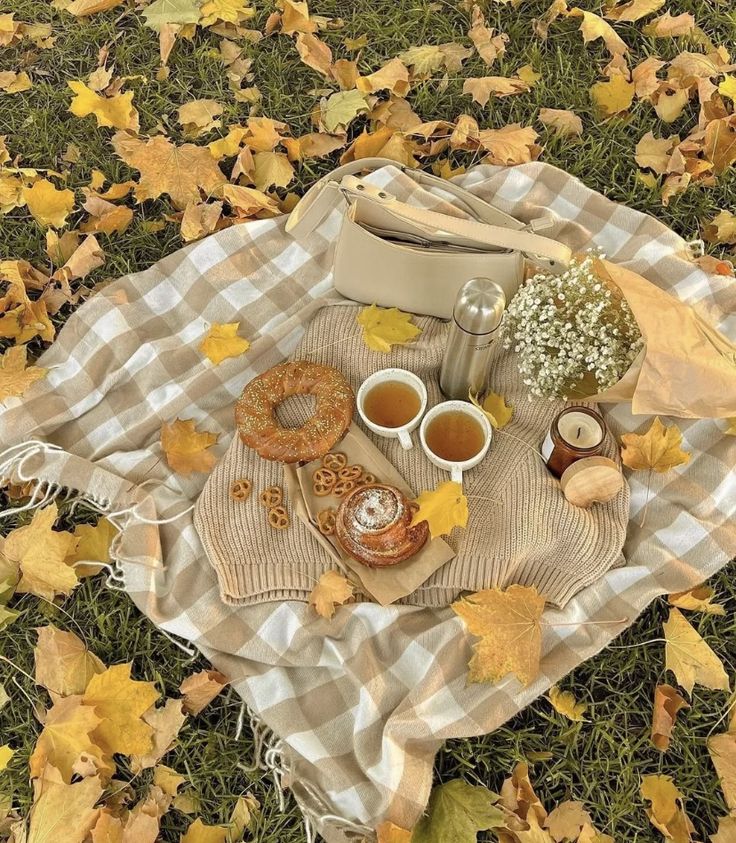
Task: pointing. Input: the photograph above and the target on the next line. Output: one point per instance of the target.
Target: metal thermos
(476, 318)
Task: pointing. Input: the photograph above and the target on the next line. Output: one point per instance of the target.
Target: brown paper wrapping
(384, 584)
(686, 369)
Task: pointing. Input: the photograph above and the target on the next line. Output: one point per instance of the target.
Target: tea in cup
(455, 436)
(391, 402)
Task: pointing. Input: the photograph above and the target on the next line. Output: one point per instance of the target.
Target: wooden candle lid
(591, 480)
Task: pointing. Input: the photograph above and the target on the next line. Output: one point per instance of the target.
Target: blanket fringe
(269, 755)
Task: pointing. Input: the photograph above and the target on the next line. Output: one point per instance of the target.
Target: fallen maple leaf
(387, 832)
(15, 375)
(385, 142)
(657, 450)
(82, 8)
(314, 53)
(393, 77)
(498, 412)
(200, 116)
(198, 832)
(181, 171)
(666, 812)
(116, 111)
(565, 704)
(667, 702)
(167, 779)
(689, 657)
(565, 122)
(121, 701)
(456, 812)
(512, 144)
(593, 27)
(15, 83)
(481, 88)
(385, 327)
(667, 26)
(222, 342)
(166, 722)
(93, 545)
(63, 811)
(163, 12)
(49, 206)
(633, 10)
(186, 449)
(722, 749)
(655, 153)
(488, 46)
(443, 509)
(697, 599)
(726, 830)
(670, 101)
(272, 169)
(6, 753)
(339, 110)
(567, 821)
(200, 689)
(721, 229)
(333, 589)
(38, 553)
(242, 815)
(613, 96)
(200, 218)
(64, 665)
(509, 626)
(720, 143)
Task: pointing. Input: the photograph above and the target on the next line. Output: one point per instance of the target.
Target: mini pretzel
(367, 479)
(326, 521)
(240, 489)
(323, 482)
(334, 461)
(350, 472)
(271, 497)
(278, 518)
(342, 487)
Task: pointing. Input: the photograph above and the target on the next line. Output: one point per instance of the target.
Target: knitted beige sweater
(521, 529)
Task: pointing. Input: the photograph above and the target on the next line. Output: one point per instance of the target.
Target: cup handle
(405, 440)
(456, 474)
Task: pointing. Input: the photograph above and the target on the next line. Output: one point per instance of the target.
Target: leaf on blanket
(658, 449)
(198, 832)
(689, 657)
(38, 553)
(457, 811)
(64, 665)
(697, 599)
(509, 626)
(387, 832)
(201, 688)
(222, 341)
(666, 811)
(186, 449)
(498, 412)
(15, 374)
(333, 589)
(121, 702)
(384, 327)
(443, 509)
(667, 702)
(564, 703)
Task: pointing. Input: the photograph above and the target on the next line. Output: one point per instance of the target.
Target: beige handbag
(398, 255)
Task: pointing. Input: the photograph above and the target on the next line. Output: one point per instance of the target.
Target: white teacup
(402, 433)
(456, 469)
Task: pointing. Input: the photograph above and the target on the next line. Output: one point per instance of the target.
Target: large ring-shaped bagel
(259, 428)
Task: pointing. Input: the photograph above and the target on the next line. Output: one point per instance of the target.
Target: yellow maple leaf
(15, 83)
(167, 779)
(666, 812)
(722, 749)
(565, 704)
(697, 599)
(562, 121)
(222, 341)
(689, 657)
(200, 218)
(63, 811)
(731, 429)
(314, 53)
(384, 327)
(198, 832)
(6, 753)
(249, 201)
(272, 169)
(15, 376)
(340, 109)
(93, 545)
(200, 116)
(333, 589)
(393, 76)
(443, 509)
(181, 171)
(387, 832)
(230, 11)
(499, 413)
(593, 27)
(658, 449)
(67, 740)
(116, 111)
(482, 88)
(667, 702)
(38, 553)
(201, 688)
(509, 626)
(49, 206)
(81, 8)
(727, 87)
(186, 449)
(64, 665)
(120, 702)
(509, 145)
(166, 722)
(613, 96)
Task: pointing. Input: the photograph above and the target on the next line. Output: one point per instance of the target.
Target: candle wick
(579, 429)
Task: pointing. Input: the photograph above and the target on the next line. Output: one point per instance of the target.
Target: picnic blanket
(355, 707)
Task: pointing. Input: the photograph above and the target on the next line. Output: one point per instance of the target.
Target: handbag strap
(503, 232)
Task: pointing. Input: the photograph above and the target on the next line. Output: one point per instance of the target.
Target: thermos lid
(479, 306)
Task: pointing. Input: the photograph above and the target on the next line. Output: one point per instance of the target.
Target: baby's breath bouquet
(574, 333)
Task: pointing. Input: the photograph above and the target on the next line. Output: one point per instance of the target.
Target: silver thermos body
(476, 318)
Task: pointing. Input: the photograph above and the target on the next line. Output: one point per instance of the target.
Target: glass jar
(575, 433)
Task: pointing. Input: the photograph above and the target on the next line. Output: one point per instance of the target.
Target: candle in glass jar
(576, 432)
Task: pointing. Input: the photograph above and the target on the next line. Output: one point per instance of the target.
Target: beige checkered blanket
(357, 707)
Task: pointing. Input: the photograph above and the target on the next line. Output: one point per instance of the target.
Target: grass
(599, 762)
